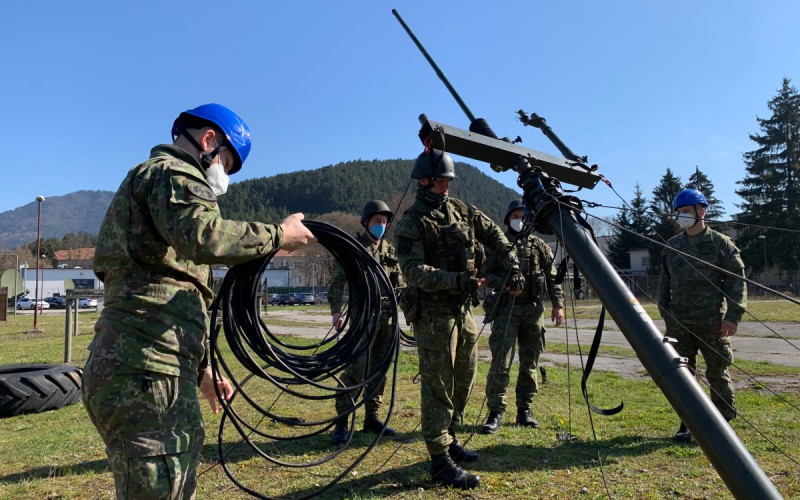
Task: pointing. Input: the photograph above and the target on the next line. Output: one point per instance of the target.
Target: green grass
(757, 310)
(58, 454)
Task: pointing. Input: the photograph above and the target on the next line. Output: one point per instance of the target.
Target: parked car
(287, 299)
(29, 303)
(56, 302)
(322, 298)
(274, 298)
(87, 302)
(305, 299)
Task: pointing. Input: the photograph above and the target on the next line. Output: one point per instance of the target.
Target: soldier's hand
(338, 321)
(295, 234)
(558, 315)
(516, 281)
(207, 389)
(727, 328)
(467, 282)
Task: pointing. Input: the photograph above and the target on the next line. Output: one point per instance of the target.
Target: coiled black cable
(303, 373)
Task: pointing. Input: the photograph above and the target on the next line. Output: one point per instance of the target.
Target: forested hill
(345, 187)
(81, 211)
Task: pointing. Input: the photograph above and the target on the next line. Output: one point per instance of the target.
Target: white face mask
(516, 225)
(685, 221)
(217, 179)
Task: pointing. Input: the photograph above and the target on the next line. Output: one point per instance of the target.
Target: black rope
(308, 371)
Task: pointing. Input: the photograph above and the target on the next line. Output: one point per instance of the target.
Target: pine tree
(771, 187)
(637, 221)
(700, 181)
(665, 225)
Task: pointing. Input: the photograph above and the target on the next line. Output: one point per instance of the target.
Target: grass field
(59, 455)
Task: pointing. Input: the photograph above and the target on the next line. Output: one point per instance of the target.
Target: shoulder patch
(201, 191)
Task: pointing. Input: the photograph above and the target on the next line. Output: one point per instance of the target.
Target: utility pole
(39, 200)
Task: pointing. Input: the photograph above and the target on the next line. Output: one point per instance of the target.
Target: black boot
(525, 419)
(340, 433)
(445, 472)
(459, 454)
(373, 425)
(683, 435)
(493, 422)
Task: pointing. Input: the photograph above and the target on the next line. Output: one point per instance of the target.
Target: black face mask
(430, 198)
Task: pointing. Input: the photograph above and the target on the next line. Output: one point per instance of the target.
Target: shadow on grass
(566, 454)
(93, 466)
(393, 480)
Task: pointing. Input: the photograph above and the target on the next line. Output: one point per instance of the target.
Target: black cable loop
(306, 371)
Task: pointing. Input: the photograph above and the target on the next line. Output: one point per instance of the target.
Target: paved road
(753, 341)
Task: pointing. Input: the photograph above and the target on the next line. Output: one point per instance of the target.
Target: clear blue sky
(90, 86)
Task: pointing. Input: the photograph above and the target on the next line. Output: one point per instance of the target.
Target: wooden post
(68, 331)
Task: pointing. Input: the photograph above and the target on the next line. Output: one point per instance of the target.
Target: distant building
(51, 281)
(639, 260)
(75, 257)
(289, 270)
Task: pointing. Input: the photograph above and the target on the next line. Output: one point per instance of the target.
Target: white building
(51, 281)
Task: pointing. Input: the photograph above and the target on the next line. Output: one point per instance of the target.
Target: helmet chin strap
(205, 158)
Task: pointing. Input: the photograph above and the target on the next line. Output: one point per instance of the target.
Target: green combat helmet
(375, 207)
(432, 164)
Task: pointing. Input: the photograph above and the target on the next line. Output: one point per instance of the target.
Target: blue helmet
(689, 197)
(235, 129)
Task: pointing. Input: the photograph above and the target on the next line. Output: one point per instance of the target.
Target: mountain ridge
(344, 187)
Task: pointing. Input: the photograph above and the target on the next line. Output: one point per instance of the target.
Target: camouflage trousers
(717, 353)
(151, 425)
(523, 324)
(448, 360)
(354, 373)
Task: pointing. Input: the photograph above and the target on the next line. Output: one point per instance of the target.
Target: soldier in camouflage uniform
(375, 217)
(436, 247)
(150, 349)
(520, 319)
(700, 305)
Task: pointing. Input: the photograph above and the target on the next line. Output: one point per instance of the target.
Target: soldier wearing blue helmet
(149, 354)
(701, 305)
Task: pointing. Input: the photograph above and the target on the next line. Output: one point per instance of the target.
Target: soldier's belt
(439, 298)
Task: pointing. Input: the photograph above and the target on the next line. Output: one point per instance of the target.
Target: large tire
(37, 388)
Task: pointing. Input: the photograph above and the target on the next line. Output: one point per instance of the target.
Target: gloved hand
(467, 282)
(516, 281)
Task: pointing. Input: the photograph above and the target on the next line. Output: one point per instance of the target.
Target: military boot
(493, 422)
(683, 435)
(445, 472)
(525, 419)
(459, 454)
(372, 424)
(340, 433)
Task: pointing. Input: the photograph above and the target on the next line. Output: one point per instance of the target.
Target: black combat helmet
(375, 207)
(434, 163)
(515, 204)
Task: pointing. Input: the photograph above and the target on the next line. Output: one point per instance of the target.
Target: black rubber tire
(36, 388)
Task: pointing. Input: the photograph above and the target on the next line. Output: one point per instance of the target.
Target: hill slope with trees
(341, 188)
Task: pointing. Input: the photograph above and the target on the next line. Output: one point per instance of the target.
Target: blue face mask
(377, 231)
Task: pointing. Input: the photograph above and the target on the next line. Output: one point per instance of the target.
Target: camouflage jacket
(437, 242)
(690, 290)
(161, 232)
(384, 252)
(536, 264)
